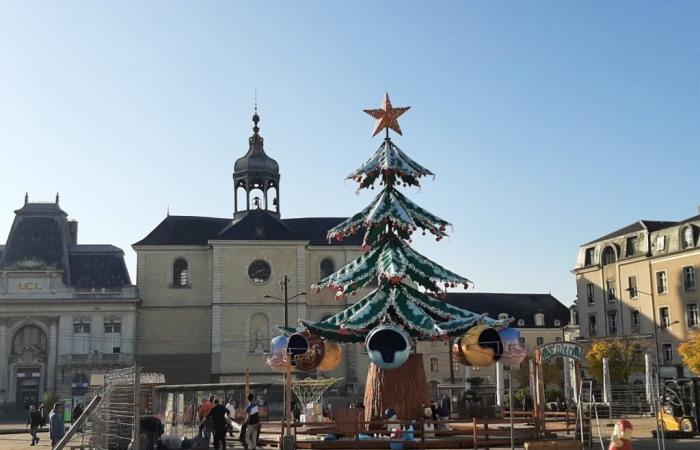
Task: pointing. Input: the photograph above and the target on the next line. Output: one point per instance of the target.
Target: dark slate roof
(518, 306)
(36, 242)
(40, 239)
(98, 266)
(649, 225)
(256, 225)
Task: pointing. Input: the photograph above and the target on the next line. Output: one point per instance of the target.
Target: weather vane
(387, 116)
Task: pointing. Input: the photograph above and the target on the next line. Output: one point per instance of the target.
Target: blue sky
(547, 123)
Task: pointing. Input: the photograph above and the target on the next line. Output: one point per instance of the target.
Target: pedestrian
(445, 409)
(217, 415)
(231, 410)
(34, 422)
(42, 414)
(252, 423)
(204, 424)
(76, 412)
(57, 428)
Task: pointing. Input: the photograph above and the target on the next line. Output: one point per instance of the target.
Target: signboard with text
(561, 349)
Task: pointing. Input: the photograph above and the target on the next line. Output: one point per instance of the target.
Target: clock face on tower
(259, 271)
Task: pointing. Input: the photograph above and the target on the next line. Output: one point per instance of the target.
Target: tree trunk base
(404, 389)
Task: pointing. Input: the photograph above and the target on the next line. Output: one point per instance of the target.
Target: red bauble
(343, 331)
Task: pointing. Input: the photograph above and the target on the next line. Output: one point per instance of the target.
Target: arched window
(503, 316)
(687, 237)
(609, 256)
(258, 333)
(181, 273)
(327, 267)
(539, 320)
(521, 322)
(29, 336)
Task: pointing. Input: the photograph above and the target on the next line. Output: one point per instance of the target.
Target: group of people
(216, 419)
(57, 427)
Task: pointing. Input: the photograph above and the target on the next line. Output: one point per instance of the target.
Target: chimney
(73, 231)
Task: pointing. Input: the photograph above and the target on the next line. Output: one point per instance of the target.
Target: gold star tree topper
(387, 116)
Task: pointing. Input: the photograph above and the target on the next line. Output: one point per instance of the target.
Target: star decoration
(386, 116)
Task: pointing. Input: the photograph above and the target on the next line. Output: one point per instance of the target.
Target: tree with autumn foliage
(690, 352)
(625, 357)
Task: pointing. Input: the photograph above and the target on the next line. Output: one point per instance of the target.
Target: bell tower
(256, 178)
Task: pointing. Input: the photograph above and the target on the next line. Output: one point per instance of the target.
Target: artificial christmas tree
(406, 303)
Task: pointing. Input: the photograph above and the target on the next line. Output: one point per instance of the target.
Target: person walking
(76, 412)
(445, 409)
(34, 422)
(252, 421)
(231, 409)
(57, 428)
(217, 415)
(204, 423)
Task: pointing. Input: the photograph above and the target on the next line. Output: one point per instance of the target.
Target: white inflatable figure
(620, 439)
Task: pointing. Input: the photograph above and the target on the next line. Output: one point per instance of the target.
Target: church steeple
(256, 177)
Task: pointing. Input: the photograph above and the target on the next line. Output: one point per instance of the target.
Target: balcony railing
(96, 358)
(104, 292)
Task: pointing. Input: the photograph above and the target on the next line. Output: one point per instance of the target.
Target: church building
(67, 310)
(212, 287)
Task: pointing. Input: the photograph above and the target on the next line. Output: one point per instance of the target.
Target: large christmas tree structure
(405, 303)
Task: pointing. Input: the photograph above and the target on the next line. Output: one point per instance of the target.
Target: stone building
(209, 284)
(639, 282)
(540, 318)
(67, 310)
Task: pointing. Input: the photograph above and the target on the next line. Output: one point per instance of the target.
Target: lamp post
(288, 440)
(284, 286)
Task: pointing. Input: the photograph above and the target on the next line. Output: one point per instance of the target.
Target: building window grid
(81, 336)
(113, 332)
(434, 365)
(664, 317)
(635, 320)
(612, 323)
(592, 325)
(590, 293)
(610, 290)
(668, 353)
(689, 278)
(632, 286)
(661, 282)
(693, 316)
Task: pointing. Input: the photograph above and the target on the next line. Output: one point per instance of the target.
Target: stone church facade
(67, 310)
(208, 285)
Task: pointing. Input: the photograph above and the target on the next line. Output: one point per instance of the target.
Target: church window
(113, 335)
(327, 267)
(259, 271)
(29, 336)
(81, 337)
(258, 333)
(181, 273)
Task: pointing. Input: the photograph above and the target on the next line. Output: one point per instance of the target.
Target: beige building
(639, 282)
(540, 318)
(207, 283)
(67, 310)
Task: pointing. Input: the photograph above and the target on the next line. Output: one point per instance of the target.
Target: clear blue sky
(547, 123)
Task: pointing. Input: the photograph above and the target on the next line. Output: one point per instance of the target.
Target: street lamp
(284, 284)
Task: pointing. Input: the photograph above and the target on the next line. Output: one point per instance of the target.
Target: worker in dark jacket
(34, 422)
(218, 417)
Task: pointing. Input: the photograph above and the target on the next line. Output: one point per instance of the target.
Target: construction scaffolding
(110, 425)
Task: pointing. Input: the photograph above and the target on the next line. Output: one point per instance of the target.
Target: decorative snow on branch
(392, 164)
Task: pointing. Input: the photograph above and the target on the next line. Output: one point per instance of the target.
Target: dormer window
(609, 256)
(503, 316)
(521, 322)
(660, 243)
(557, 322)
(589, 256)
(631, 247)
(687, 237)
(180, 273)
(539, 320)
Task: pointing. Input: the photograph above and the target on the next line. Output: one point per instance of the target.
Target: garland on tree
(411, 288)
